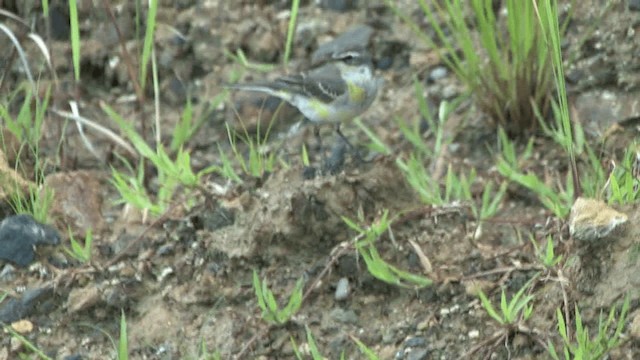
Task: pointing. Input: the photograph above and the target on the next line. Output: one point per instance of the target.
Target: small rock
(437, 73)
(592, 219)
(424, 324)
(387, 352)
(600, 109)
(342, 289)
(451, 91)
(344, 316)
(339, 5)
(347, 266)
(22, 326)
(115, 297)
(418, 354)
(15, 309)
(73, 357)
(82, 299)
(77, 201)
(8, 273)
(416, 342)
(389, 335)
(166, 249)
(309, 172)
(18, 236)
(219, 218)
(474, 286)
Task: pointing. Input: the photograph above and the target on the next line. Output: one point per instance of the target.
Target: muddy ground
(184, 278)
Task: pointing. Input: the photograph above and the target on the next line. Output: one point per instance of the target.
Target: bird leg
(316, 133)
(353, 150)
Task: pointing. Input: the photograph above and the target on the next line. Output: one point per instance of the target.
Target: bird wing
(323, 88)
(323, 83)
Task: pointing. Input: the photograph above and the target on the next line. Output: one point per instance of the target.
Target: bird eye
(349, 58)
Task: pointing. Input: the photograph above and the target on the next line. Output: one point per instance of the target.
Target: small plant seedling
(313, 347)
(582, 346)
(271, 312)
(376, 266)
(511, 311)
(80, 252)
(123, 343)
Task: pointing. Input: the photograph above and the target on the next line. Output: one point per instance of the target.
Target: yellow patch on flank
(321, 109)
(356, 93)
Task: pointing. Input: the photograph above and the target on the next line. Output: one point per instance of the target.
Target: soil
(183, 278)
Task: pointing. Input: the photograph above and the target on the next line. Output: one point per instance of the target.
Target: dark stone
(73, 357)
(15, 309)
(339, 5)
(19, 234)
(416, 341)
(309, 172)
(384, 63)
(59, 22)
(219, 218)
(418, 354)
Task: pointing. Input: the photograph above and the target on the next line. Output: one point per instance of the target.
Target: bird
(336, 92)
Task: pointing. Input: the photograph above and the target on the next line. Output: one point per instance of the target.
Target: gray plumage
(334, 100)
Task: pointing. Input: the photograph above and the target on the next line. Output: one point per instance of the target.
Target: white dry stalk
(101, 129)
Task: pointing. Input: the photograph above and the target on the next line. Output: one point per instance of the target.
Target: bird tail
(267, 88)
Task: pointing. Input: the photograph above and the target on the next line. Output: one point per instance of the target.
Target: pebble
(344, 316)
(8, 273)
(339, 5)
(418, 354)
(437, 73)
(416, 341)
(166, 249)
(18, 236)
(449, 92)
(14, 309)
(342, 289)
(219, 218)
(73, 357)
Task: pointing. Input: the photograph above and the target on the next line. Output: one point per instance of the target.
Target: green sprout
(583, 347)
(377, 266)
(271, 312)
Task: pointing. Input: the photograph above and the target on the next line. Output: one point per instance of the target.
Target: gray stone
(19, 235)
(344, 316)
(438, 73)
(342, 289)
(418, 354)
